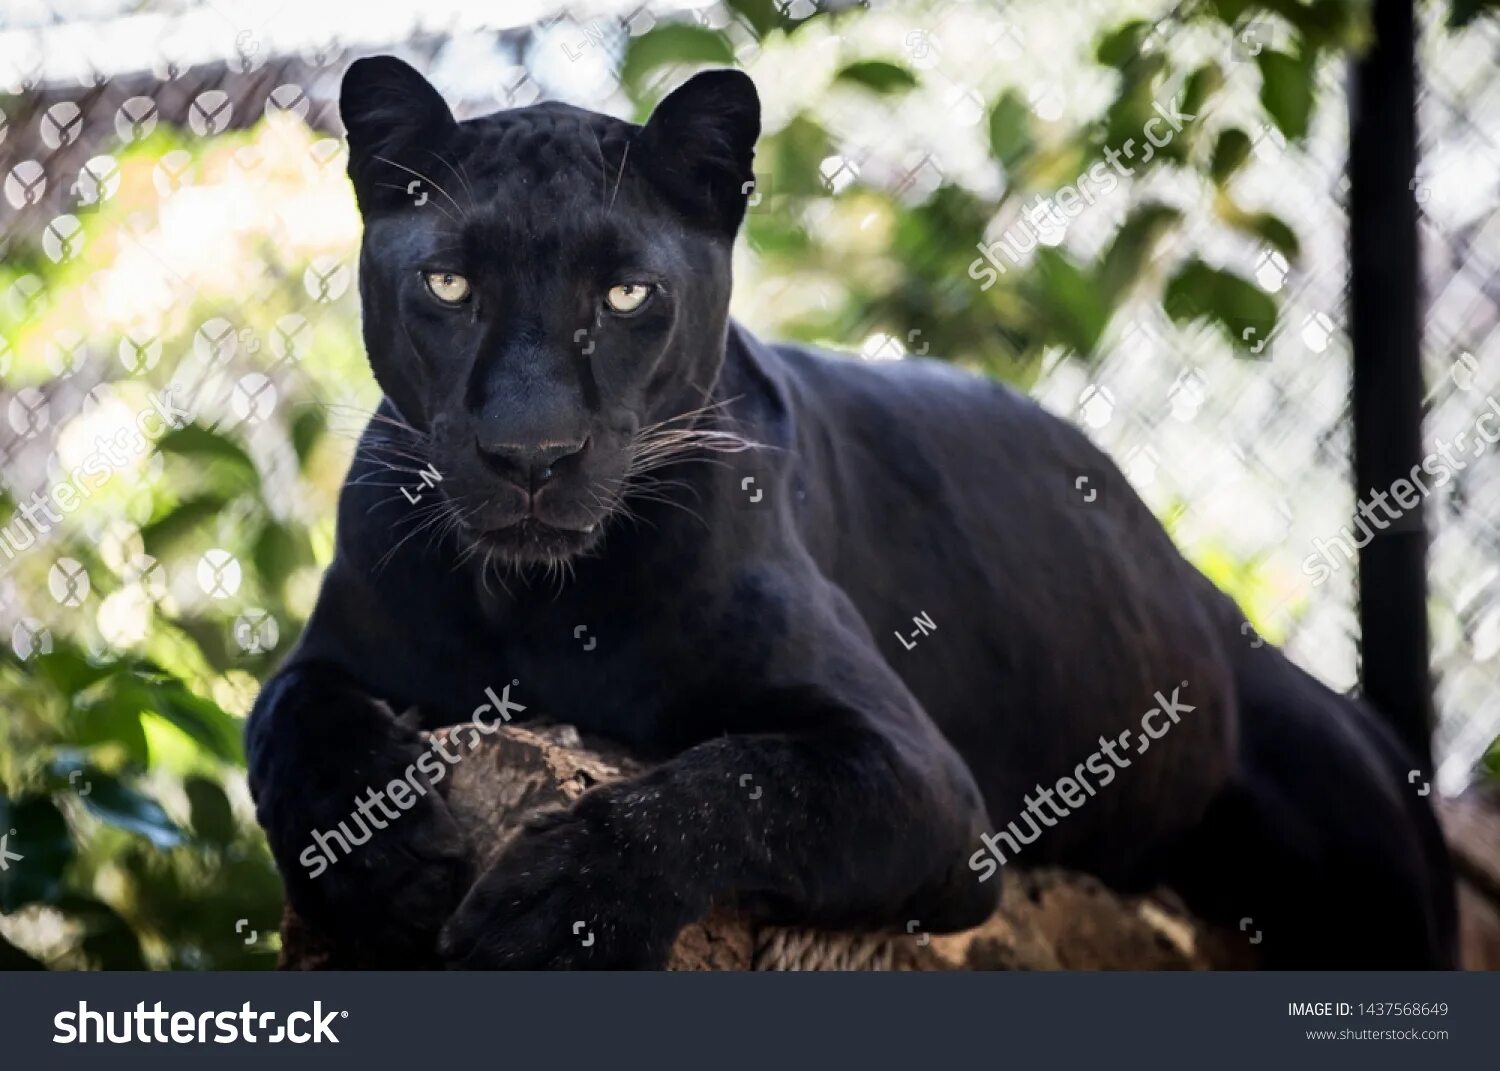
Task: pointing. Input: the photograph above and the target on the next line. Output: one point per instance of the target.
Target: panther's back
(930, 493)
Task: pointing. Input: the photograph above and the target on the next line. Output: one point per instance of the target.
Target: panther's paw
(567, 895)
(378, 878)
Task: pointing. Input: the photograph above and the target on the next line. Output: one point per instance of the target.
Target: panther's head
(545, 291)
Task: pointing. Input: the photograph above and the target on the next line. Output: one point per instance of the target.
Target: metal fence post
(1385, 327)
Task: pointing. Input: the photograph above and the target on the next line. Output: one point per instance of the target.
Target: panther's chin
(535, 542)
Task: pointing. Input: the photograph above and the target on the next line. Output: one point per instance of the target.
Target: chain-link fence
(174, 215)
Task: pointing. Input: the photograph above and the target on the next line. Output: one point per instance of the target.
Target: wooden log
(1472, 825)
(1048, 920)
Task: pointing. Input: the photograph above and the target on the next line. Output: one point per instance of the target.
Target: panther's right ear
(388, 108)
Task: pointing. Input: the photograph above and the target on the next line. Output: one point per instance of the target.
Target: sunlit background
(174, 214)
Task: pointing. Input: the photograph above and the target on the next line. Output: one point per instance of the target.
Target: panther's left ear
(700, 144)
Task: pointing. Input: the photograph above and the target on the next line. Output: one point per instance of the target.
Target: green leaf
(880, 76)
(199, 444)
(1135, 105)
(1229, 11)
(1463, 12)
(1133, 247)
(36, 831)
(762, 15)
(195, 440)
(166, 533)
(1287, 91)
(1246, 313)
(309, 425)
(1491, 762)
(1120, 47)
(1230, 153)
(1010, 130)
(1071, 300)
(108, 942)
(778, 235)
(672, 43)
(796, 152)
(1274, 231)
(108, 723)
(111, 800)
(211, 815)
(1342, 25)
(1201, 84)
(1265, 226)
(280, 550)
(213, 640)
(69, 672)
(201, 719)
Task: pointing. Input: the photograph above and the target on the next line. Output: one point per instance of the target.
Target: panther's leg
(817, 791)
(330, 771)
(1321, 841)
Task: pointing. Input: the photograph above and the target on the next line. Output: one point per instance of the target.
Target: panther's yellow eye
(447, 287)
(627, 297)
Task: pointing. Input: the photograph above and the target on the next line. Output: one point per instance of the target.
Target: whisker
(402, 189)
(623, 157)
(603, 167)
(389, 555)
(425, 178)
(382, 453)
(358, 412)
(366, 481)
(463, 179)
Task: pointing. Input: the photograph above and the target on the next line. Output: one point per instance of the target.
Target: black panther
(713, 550)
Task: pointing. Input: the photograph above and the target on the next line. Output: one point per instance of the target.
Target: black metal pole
(1385, 329)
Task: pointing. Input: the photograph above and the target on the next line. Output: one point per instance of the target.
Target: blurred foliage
(121, 766)
(918, 281)
(121, 753)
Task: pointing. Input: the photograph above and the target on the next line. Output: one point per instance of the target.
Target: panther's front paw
(568, 895)
(380, 882)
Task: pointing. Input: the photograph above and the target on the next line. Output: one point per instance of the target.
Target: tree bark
(1048, 920)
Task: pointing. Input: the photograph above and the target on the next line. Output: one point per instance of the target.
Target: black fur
(739, 613)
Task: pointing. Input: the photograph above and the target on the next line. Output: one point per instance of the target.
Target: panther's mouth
(531, 540)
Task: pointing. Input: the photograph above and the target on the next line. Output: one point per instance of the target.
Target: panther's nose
(529, 465)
